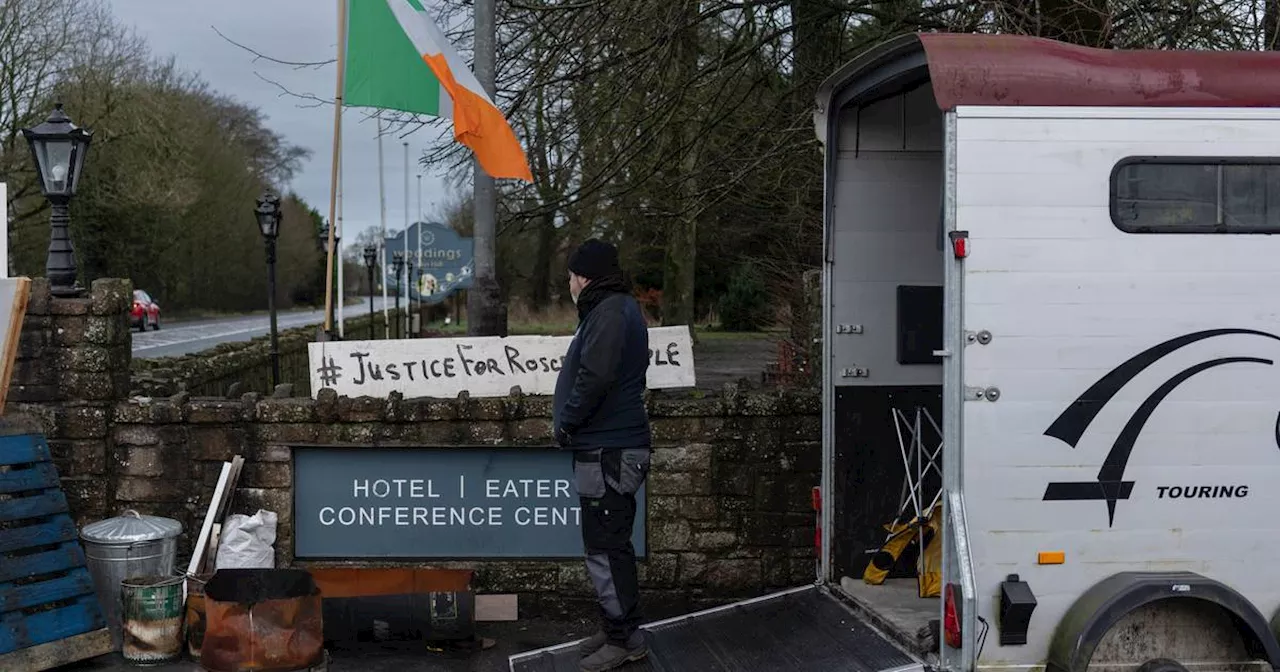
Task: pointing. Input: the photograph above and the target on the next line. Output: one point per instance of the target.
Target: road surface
(182, 338)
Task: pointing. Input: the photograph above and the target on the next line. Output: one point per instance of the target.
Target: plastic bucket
(151, 611)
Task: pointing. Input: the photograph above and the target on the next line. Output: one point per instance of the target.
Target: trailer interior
(885, 245)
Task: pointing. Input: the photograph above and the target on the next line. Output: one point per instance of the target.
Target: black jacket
(599, 400)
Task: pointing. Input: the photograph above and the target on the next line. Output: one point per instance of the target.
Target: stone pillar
(72, 367)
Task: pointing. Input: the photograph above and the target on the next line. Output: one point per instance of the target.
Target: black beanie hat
(595, 259)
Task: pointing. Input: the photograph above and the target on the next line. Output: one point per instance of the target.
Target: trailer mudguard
(1102, 606)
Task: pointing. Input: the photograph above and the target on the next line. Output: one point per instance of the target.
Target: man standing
(600, 416)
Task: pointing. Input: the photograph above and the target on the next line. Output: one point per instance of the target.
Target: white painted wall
(885, 231)
(1067, 297)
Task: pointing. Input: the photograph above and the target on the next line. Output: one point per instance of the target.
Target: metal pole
(337, 253)
(382, 240)
(408, 272)
(271, 308)
(371, 313)
(483, 300)
(417, 284)
(60, 264)
(337, 154)
(420, 215)
(398, 306)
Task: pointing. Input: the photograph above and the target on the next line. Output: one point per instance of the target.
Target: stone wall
(216, 371)
(729, 496)
(72, 367)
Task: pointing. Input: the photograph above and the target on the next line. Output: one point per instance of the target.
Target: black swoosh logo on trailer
(1111, 485)
(1072, 423)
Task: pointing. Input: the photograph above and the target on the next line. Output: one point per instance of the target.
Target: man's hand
(563, 438)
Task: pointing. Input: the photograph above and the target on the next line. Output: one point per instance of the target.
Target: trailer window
(1196, 195)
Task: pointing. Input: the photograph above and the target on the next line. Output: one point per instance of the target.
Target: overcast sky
(292, 30)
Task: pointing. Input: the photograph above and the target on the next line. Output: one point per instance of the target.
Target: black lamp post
(59, 148)
(268, 214)
(370, 261)
(397, 265)
(408, 285)
(323, 244)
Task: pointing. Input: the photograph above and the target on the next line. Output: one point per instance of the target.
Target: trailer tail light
(951, 610)
(959, 243)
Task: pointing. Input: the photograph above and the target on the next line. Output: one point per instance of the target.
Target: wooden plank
(39, 477)
(18, 631)
(24, 449)
(46, 503)
(211, 557)
(56, 530)
(56, 654)
(224, 507)
(76, 583)
(202, 541)
(14, 293)
(67, 556)
(490, 608)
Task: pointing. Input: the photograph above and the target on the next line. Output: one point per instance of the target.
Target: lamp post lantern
(370, 261)
(268, 215)
(58, 148)
(397, 266)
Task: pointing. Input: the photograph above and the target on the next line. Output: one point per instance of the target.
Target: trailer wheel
(1162, 665)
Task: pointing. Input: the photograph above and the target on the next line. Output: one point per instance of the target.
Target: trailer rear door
(799, 629)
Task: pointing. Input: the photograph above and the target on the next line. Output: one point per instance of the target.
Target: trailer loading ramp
(799, 629)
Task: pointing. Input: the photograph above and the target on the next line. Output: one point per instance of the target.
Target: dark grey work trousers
(608, 481)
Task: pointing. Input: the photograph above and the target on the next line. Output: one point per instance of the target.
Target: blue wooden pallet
(49, 613)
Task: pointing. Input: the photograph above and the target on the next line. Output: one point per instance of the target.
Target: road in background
(182, 338)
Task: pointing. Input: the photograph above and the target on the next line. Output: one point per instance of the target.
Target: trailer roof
(1018, 70)
(969, 69)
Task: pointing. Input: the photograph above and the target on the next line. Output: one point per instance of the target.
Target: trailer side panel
(1131, 383)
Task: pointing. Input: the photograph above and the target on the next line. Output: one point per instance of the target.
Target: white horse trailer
(1051, 398)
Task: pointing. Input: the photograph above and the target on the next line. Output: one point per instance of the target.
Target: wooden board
(14, 293)
(202, 541)
(56, 654)
(482, 367)
(49, 611)
(490, 608)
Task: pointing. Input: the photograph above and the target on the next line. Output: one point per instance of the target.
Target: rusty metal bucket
(195, 619)
(262, 620)
(151, 611)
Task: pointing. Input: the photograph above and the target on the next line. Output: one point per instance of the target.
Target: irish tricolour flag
(398, 59)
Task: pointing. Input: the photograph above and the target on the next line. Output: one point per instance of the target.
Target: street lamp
(268, 214)
(59, 148)
(408, 287)
(323, 244)
(397, 265)
(370, 261)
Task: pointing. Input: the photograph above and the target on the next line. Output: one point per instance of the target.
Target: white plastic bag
(246, 542)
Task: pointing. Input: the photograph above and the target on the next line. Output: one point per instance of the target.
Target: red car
(146, 312)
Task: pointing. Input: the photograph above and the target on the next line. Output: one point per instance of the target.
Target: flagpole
(382, 241)
(333, 171)
(485, 314)
(337, 252)
(408, 293)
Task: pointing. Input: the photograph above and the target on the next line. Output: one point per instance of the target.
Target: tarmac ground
(407, 656)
